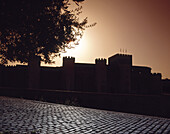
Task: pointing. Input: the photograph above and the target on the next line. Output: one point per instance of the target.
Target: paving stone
(23, 116)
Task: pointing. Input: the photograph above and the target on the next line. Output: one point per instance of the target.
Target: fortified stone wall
(85, 77)
(119, 76)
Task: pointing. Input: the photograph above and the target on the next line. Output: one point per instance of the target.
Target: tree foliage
(37, 28)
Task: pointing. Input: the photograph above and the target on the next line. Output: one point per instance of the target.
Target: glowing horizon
(142, 27)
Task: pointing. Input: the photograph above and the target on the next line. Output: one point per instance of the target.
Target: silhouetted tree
(42, 28)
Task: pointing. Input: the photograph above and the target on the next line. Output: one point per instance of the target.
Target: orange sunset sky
(140, 26)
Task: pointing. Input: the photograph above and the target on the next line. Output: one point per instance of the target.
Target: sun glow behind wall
(140, 26)
(79, 51)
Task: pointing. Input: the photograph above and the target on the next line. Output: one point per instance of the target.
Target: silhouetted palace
(119, 76)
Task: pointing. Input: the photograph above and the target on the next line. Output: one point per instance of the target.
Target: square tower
(119, 73)
(69, 73)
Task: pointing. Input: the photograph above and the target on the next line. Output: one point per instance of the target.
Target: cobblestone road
(20, 116)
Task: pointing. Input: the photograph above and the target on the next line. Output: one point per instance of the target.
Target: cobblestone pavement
(21, 116)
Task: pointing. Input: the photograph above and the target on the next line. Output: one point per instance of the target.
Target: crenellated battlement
(123, 55)
(100, 60)
(121, 59)
(157, 75)
(10, 66)
(68, 60)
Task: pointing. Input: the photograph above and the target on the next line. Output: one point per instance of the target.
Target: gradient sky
(140, 26)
